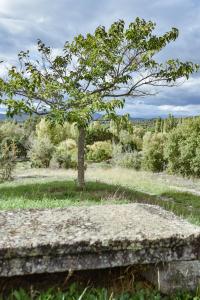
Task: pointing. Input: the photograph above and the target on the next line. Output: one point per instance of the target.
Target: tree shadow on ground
(181, 203)
(94, 191)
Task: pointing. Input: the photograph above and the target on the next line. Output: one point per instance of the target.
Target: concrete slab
(95, 237)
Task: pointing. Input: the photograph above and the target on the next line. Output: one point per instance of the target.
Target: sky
(22, 22)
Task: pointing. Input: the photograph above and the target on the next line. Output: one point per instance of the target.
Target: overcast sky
(22, 22)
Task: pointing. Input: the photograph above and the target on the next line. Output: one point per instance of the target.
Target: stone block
(93, 237)
(174, 276)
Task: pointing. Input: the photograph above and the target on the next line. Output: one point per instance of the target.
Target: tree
(10, 133)
(182, 148)
(169, 123)
(66, 154)
(98, 132)
(158, 125)
(8, 159)
(41, 152)
(153, 151)
(56, 133)
(94, 73)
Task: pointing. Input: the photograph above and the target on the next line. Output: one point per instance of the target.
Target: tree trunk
(81, 158)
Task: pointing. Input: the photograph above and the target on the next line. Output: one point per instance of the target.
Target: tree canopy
(93, 73)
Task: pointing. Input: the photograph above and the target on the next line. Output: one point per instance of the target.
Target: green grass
(50, 193)
(184, 204)
(74, 293)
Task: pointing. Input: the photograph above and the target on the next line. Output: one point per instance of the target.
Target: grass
(62, 193)
(74, 293)
(57, 188)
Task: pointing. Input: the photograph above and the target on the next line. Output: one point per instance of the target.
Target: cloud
(153, 111)
(182, 95)
(22, 22)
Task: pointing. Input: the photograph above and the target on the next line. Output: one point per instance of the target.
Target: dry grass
(152, 183)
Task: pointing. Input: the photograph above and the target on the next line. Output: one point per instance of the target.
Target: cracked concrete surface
(79, 238)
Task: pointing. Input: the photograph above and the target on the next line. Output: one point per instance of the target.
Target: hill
(21, 118)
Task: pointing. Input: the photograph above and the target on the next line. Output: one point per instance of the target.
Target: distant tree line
(171, 145)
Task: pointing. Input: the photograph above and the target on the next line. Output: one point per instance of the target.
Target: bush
(66, 154)
(128, 159)
(8, 157)
(132, 140)
(41, 152)
(182, 149)
(99, 151)
(20, 144)
(56, 132)
(97, 132)
(153, 152)
(10, 132)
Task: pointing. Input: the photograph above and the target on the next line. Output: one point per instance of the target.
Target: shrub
(97, 132)
(126, 138)
(66, 154)
(41, 152)
(128, 159)
(56, 132)
(10, 132)
(132, 141)
(20, 144)
(8, 157)
(169, 123)
(99, 151)
(182, 149)
(153, 152)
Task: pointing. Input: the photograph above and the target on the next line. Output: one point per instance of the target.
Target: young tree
(169, 123)
(153, 151)
(94, 73)
(182, 148)
(158, 125)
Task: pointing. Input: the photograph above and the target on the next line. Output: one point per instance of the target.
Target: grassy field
(47, 188)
